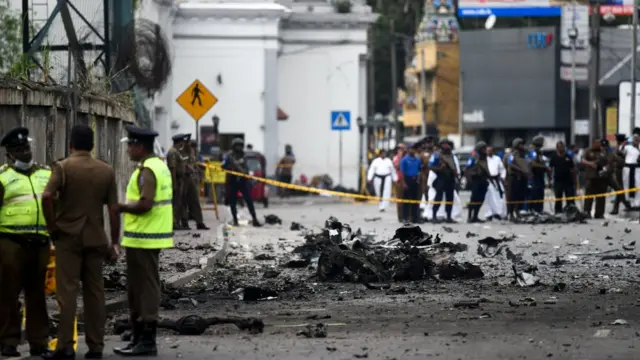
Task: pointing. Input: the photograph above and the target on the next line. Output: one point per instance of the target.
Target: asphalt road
(594, 315)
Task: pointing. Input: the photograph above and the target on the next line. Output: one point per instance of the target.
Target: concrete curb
(183, 278)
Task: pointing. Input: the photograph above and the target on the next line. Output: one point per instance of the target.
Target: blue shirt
(470, 163)
(410, 166)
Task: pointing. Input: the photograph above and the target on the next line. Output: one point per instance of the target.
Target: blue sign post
(340, 120)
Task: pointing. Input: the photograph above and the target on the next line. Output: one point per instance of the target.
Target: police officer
(444, 165)
(564, 175)
(618, 158)
(613, 163)
(148, 228)
(596, 175)
(478, 171)
(177, 166)
(519, 176)
(80, 240)
(191, 188)
(410, 166)
(234, 160)
(24, 246)
(539, 169)
(284, 171)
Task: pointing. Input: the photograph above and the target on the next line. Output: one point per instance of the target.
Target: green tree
(405, 16)
(10, 37)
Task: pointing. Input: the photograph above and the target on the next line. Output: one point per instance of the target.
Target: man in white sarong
(495, 200)
(383, 174)
(631, 170)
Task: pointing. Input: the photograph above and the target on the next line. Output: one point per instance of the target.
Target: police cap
(136, 135)
(621, 137)
(16, 137)
(636, 131)
(517, 142)
(177, 137)
(538, 140)
(237, 141)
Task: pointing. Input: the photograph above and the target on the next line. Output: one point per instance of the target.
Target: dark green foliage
(405, 16)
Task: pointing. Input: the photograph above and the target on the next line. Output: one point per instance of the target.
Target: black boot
(60, 354)
(470, 218)
(135, 339)
(476, 219)
(202, 226)
(184, 225)
(9, 351)
(147, 344)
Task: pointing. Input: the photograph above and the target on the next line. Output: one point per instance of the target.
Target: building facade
(262, 59)
(511, 84)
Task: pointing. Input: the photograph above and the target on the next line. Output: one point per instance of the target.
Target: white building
(258, 56)
(255, 56)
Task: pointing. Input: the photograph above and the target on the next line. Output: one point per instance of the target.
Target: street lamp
(573, 35)
(360, 123)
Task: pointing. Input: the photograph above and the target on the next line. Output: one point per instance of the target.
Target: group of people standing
(429, 173)
(63, 205)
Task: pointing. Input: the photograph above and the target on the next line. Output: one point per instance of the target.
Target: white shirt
(382, 167)
(631, 154)
(496, 167)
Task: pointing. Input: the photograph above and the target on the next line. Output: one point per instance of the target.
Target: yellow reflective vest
(21, 210)
(153, 229)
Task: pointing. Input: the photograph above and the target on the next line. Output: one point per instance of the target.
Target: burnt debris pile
(343, 255)
(570, 214)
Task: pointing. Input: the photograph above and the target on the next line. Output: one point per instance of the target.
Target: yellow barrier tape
(407, 201)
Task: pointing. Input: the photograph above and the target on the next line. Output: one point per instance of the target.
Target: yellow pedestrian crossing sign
(340, 120)
(197, 100)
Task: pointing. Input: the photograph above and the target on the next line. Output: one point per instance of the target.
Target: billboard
(511, 87)
(507, 8)
(533, 8)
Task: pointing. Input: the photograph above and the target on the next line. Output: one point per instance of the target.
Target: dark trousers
(445, 188)
(23, 267)
(536, 195)
(478, 193)
(143, 284)
(177, 200)
(75, 264)
(411, 192)
(563, 188)
(593, 187)
(191, 200)
(242, 186)
(518, 187)
(287, 180)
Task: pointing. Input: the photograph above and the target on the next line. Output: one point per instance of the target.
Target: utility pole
(573, 35)
(423, 94)
(594, 71)
(394, 85)
(634, 53)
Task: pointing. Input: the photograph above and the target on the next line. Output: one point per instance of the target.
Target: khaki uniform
(23, 267)
(177, 165)
(595, 183)
(424, 175)
(84, 186)
(285, 172)
(191, 190)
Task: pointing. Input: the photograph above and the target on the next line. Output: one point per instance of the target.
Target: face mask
(23, 165)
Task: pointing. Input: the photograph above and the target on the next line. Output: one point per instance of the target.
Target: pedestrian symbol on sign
(195, 95)
(340, 120)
